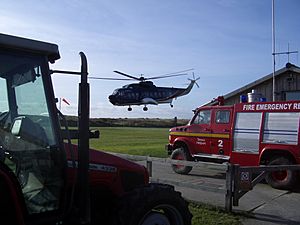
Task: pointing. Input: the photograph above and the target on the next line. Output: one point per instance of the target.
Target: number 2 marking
(220, 143)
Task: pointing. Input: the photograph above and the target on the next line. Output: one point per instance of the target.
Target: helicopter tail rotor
(194, 80)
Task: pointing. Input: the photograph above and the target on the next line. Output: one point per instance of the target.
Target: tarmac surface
(268, 206)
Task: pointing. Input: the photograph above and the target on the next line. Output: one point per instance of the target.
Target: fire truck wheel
(281, 179)
(157, 204)
(181, 154)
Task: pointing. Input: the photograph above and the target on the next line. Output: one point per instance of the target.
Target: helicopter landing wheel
(171, 105)
(129, 109)
(145, 108)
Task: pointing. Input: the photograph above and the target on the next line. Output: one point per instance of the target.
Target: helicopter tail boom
(189, 87)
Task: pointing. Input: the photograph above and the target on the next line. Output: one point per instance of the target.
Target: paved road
(268, 205)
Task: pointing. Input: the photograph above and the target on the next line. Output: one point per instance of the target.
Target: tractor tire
(181, 154)
(281, 179)
(154, 204)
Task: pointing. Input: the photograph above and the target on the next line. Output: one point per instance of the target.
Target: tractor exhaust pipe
(83, 143)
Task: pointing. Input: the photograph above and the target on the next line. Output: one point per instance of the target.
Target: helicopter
(145, 92)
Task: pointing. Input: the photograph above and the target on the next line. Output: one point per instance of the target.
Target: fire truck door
(200, 131)
(220, 131)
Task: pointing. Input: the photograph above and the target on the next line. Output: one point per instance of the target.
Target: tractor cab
(44, 178)
(29, 145)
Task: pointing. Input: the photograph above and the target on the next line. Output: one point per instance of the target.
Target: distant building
(287, 87)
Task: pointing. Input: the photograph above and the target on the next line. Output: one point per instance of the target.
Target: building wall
(285, 82)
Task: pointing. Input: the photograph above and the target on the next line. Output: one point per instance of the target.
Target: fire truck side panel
(186, 141)
(244, 159)
(199, 138)
(263, 131)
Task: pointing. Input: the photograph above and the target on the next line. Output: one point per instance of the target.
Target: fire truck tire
(154, 204)
(281, 179)
(181, 154)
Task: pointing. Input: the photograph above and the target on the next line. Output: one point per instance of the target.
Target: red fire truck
(248, 134)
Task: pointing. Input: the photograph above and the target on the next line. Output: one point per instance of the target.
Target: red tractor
(44, 178)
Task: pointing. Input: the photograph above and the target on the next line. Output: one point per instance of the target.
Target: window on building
(292, 95)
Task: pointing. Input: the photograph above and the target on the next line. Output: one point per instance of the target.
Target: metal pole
(273, 46)
(59, 104)
(229, 187)
(149, 167)
(236, 190)
(288, 53)
(83, 144)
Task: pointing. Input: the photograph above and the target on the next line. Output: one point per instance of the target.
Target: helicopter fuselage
(144, 93)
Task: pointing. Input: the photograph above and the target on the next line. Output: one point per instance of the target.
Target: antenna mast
(274, 53)
(273, 47)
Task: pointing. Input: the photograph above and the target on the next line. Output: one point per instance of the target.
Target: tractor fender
(12, 205)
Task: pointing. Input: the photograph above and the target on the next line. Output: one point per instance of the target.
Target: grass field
(132, 140)
(210, 215)
(151, 141)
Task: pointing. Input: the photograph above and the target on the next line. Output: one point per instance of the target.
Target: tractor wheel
(285, 179)
(154, 204)
(181, 154)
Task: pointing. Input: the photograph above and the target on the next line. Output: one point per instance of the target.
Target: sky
(228, 43)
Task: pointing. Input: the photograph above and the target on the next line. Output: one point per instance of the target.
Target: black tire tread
(184, 169)
(133, 206)
(292, 178)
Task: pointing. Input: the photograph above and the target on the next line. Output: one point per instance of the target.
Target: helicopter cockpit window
(27, 142)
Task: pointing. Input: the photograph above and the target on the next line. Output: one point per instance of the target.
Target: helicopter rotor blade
(165, 76)
(182, 71)
(127, 75)
(142, 78)
(107, 78)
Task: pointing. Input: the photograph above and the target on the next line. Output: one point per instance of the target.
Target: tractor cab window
(27, 142)
(3, 96)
